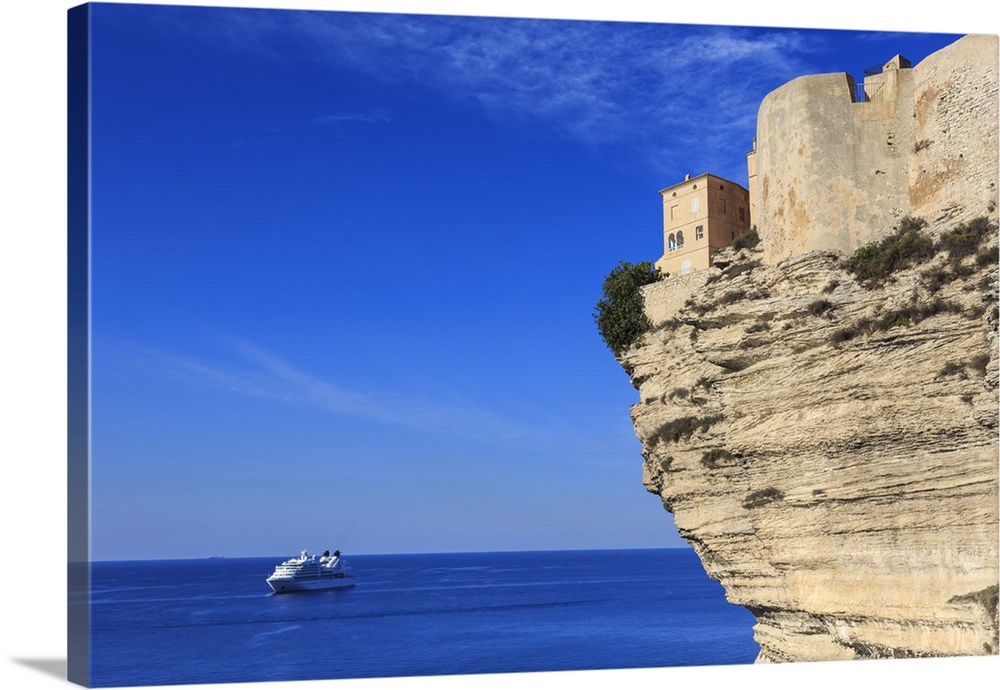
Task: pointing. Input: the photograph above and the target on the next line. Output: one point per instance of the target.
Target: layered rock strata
(830, 449)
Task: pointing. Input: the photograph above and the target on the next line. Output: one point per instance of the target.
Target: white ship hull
(280, 585)
(309, 574)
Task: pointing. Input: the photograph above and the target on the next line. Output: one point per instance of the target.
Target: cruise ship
(309, 573)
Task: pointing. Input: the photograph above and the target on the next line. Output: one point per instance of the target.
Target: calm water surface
(205, 621)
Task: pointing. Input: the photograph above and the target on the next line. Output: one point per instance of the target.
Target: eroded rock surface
(830, 449)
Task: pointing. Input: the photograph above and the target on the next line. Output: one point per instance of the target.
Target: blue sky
(344, 268)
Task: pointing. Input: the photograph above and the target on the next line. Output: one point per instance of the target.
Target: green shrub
(762, 497)
(873, 263)
(987, 256)
(978, 364)
(683, 428)
(961, 270)
(911, 224)
(820, 306)
(909, 315)
(952, 368)
(937, 278)
(681, 393)
(914, 313)
(712, 458)
(966, 238)
(747, 240)
(732, 296)
(976, 312)
(842, 335)
(619, 315)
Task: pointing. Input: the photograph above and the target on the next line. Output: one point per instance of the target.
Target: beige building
(701, 215)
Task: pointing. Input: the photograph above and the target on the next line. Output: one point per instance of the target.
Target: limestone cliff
(841, 487)
(829, 446)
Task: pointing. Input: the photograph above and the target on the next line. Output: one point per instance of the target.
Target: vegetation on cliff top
(620, 318)
(910, 245)
(907, 315)
(876, 261)
(747, 240)
(966, 238)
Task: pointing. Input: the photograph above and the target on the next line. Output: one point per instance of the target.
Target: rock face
(829, 447)
(830, 450)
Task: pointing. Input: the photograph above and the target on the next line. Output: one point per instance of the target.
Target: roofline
(698, 177)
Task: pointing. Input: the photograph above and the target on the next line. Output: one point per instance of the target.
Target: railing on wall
(860, 95)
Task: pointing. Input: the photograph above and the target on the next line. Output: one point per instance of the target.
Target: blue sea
(216, 621)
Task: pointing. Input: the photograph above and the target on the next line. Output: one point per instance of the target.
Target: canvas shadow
(50, 667)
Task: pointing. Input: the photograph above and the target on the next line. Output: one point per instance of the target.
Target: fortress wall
(953, 175)
(809, 153)
(883, 142)
(664, 299)
(833, 175)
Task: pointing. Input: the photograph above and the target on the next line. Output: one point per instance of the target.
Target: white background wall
(32, 252)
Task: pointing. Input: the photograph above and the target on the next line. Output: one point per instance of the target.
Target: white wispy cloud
(692, 92)
(251, 371)
(596, 82)
(721, 47)
(374, 117)
(666, 91)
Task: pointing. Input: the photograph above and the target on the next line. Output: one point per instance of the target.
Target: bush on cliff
(909, 245)
(619, 315)
(966, 238)
(747, 240)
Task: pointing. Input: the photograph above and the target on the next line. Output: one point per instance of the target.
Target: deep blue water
(215, 621)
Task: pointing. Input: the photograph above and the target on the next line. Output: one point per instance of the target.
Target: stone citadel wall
(833, 174)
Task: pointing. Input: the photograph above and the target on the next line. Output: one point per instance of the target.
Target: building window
(673, 212)
(722, 205)
(671, 243)
(680, 239)
(741, 214)
(694, 205)
(699, 232)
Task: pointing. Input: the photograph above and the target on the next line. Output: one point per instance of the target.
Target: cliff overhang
(830, 449)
